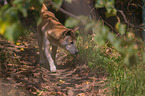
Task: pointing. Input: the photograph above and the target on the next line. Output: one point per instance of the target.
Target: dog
(52, 33)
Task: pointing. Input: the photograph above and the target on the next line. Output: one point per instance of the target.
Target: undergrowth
(122, 80)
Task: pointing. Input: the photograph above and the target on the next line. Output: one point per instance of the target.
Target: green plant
(10, 24)
(126, 71)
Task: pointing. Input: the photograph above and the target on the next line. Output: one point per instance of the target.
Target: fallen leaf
(22, 49)
(17, 43)
(87, 82)
(81, 94)
(61, 81)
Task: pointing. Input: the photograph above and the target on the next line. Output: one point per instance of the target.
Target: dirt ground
(22, 75)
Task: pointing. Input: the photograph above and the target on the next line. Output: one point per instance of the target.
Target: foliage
(108, 4)
(71, 22)
(10, 23)
(58, 2)
(124, 42)
(95, 56)
(126, 45)
(126, 69)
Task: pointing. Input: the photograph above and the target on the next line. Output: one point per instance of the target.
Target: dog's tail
(44, 8)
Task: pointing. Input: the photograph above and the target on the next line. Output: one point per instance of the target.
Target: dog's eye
(71, 42)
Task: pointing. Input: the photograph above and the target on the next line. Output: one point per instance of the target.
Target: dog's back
(50, 23)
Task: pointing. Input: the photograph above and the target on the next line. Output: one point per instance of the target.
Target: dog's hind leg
(42, 56)
(54, 50)
(48, 55)
(41, 48)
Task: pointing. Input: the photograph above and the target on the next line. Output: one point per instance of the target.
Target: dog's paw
(53, 68)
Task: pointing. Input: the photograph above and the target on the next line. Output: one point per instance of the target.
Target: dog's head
(68, 41)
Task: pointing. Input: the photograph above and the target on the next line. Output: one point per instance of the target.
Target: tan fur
(52, 33)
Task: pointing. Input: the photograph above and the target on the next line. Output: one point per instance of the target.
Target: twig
(126, 21)
(122, 13)
(82, 21)
(65, 12)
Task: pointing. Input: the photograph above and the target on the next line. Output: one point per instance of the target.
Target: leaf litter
(24, 73)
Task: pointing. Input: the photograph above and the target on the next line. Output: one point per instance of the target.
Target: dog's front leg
(48, 55)
(54, 50)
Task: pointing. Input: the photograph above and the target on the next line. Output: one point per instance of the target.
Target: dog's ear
(71, 31)
(76, 33)
(68, 33)
(44, 8)
(75, 29)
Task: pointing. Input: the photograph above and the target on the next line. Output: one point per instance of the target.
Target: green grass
(126, 81)
(122, 80)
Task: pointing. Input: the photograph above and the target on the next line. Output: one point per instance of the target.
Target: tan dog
(52, 33)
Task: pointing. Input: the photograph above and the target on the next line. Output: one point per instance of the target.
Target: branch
(125, 19)
(66, 12)
(122, 13)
